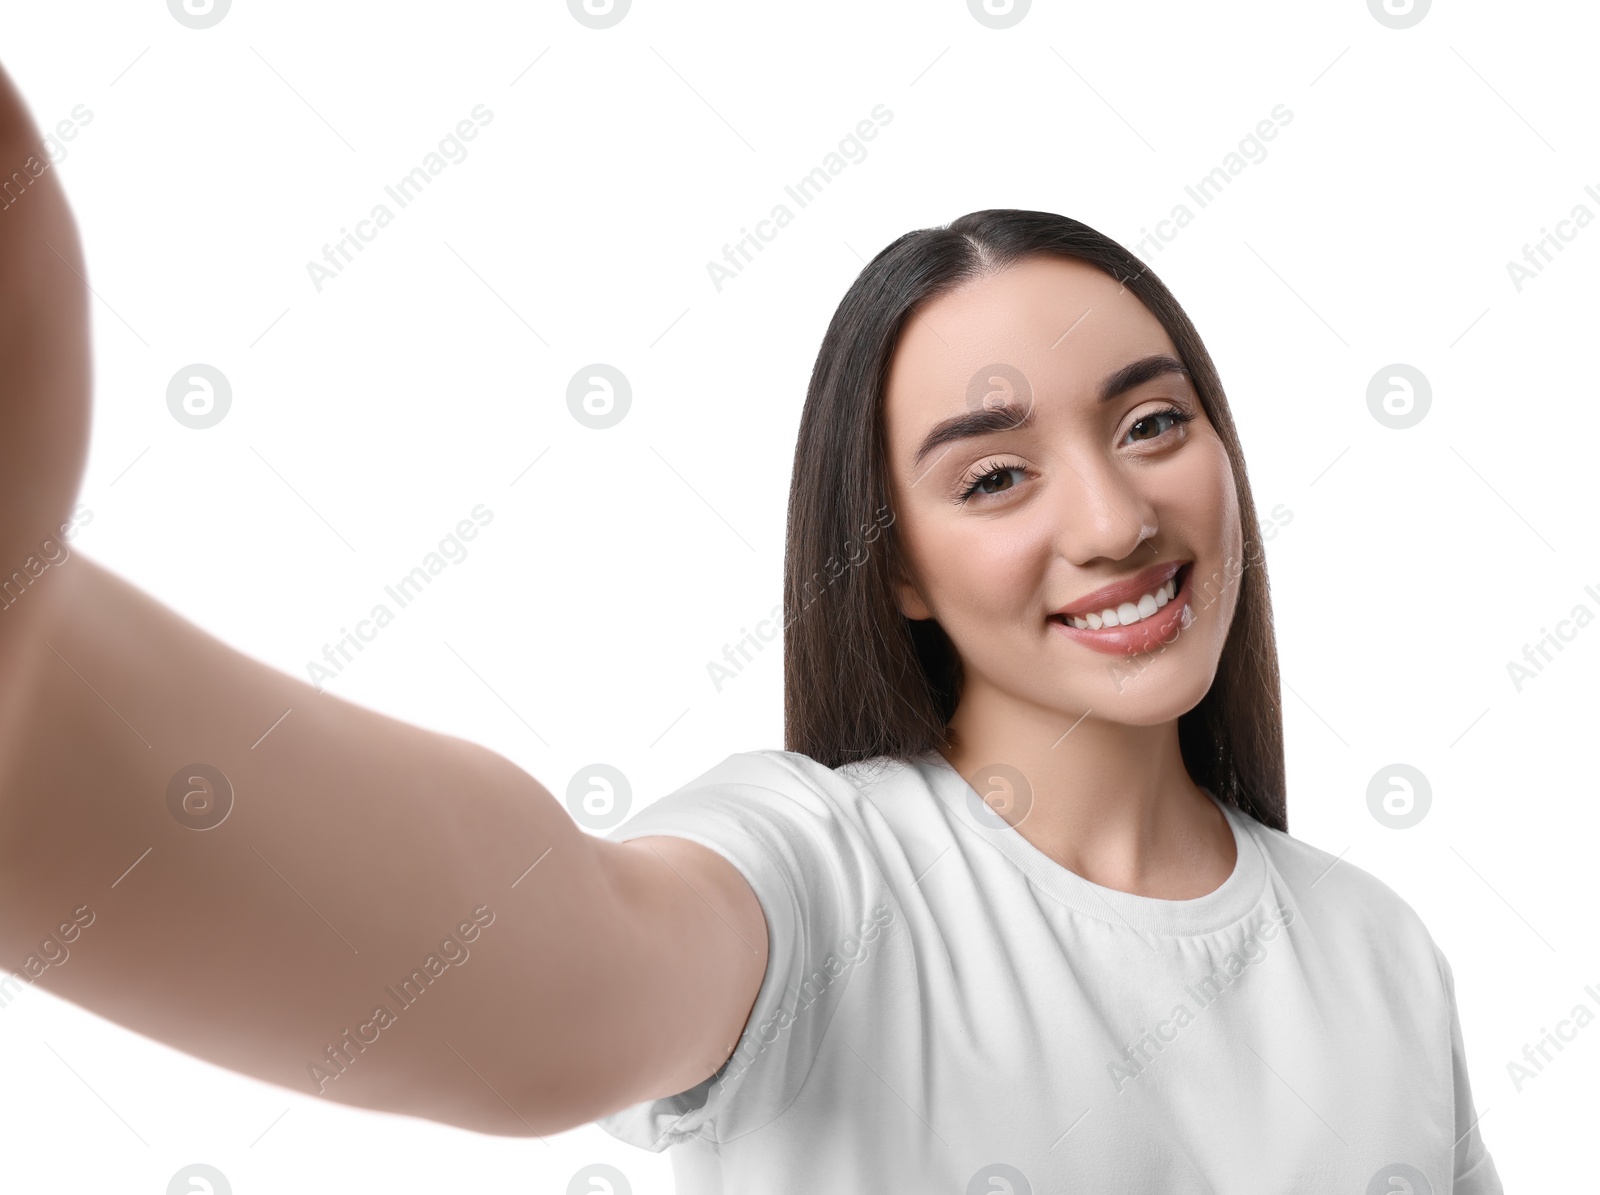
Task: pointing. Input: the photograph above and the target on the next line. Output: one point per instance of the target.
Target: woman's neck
(1110, 802)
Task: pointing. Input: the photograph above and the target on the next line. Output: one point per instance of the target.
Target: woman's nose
(1101, 512)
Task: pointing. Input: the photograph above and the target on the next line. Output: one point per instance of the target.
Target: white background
(430, 376)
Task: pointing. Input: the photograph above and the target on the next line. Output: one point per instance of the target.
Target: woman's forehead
(1062, 324)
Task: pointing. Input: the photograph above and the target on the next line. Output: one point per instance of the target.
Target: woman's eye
(1154, 425)
(982, 484)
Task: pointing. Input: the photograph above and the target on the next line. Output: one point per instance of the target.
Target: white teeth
(1128, 612)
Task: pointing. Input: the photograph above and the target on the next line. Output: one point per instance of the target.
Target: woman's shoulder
(869, 807)
(1335, 893)
(790, 785)
(846, 789)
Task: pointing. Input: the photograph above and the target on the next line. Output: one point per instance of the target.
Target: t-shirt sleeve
(1475, 1173)
(790, 832)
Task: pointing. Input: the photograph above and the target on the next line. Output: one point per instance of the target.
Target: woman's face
(1088, 560)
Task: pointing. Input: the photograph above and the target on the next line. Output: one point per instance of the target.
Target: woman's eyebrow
(1009, 416)
(1137, 373)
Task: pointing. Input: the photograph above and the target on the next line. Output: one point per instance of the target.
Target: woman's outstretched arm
(530, 977)
(44, 368)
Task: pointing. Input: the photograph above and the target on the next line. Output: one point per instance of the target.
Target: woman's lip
(1111, 596)
(1160, 629)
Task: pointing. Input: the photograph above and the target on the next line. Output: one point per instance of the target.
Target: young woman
(1017, 908)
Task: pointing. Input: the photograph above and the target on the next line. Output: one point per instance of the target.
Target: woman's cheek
(1232, 528)
(984, 573)
(1208, 502)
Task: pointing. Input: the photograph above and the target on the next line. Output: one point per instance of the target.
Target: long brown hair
(861, 680)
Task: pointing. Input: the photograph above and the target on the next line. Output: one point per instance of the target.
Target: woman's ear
(909, 599)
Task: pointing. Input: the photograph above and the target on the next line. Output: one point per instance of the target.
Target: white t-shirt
(947, 1009)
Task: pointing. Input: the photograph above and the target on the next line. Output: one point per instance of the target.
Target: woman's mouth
(1127, 613)
(1134, 624)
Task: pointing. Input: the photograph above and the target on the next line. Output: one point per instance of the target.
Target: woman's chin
(1141, 691)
